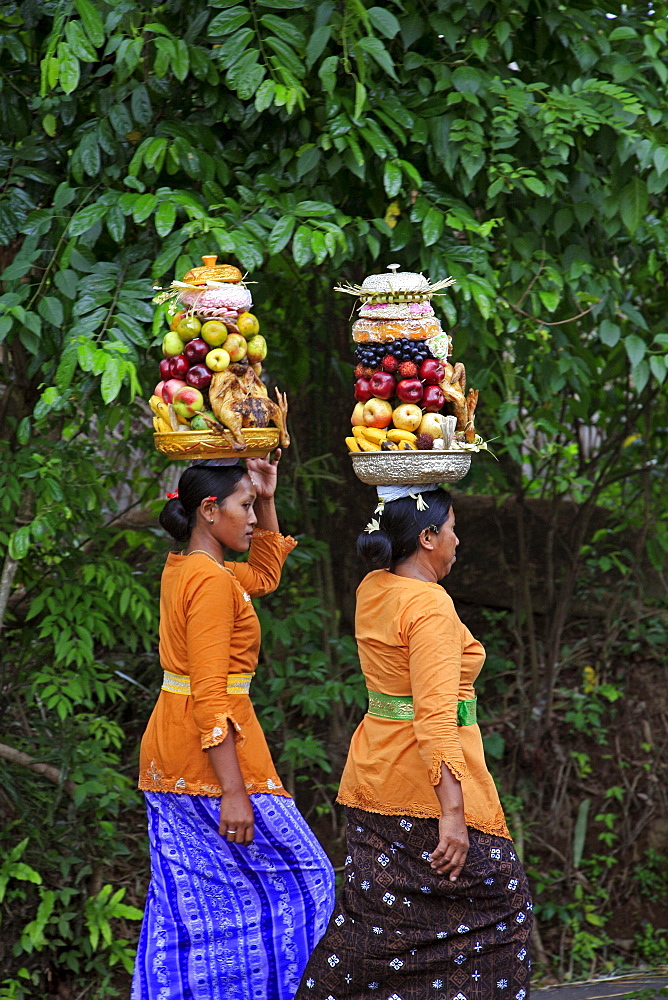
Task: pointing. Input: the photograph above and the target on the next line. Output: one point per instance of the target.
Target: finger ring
(231, 831)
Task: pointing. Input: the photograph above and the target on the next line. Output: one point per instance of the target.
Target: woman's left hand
(263, 473)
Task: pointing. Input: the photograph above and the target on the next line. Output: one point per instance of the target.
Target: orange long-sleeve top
(209, 630)
(412, 643)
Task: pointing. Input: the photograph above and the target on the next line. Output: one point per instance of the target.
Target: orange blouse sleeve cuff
(219, 730)
(285, 542)
(458, 768)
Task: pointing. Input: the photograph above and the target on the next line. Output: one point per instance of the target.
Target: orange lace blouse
(411, 642)
(209, 629)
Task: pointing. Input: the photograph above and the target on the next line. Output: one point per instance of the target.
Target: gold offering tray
(387, 468)
(189, 445)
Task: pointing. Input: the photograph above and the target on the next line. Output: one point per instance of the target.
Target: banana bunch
(375, 439)
(163, 416)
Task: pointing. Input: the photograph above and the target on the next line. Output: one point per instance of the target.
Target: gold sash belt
(180, 683)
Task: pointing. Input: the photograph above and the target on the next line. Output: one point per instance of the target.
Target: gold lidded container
(226, 273)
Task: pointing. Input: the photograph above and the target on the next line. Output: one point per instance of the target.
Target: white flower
(383, 860)
(396, 964)
(462, 929)
(502, 984)
(389, 898)
(333, 960)
(365, 884)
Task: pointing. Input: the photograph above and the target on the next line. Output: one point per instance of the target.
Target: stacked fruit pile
(405, 386)
(213, 331)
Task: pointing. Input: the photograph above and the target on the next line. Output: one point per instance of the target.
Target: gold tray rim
(191, 445)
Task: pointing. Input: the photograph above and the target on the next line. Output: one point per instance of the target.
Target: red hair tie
(172, 496)
(211, 498)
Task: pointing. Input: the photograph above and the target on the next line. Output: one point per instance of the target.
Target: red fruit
(171, 387)
(178, 366)
(408, 369)
(409, 390)
(389, 363)
(433, 399)
(383, 385)
(364, 371)
(199, 377)
(363, 390)
(165, 368)
(424, 442)
(196, 350)
(432, 371)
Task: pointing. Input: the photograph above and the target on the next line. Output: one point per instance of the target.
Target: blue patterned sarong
(225, 922)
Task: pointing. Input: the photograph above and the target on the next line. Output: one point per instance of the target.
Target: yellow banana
(161, 426)
(407, 446)
(397, 435)
(374, 434)
(153, 403)
(352, 443)
(358, 431)
(366, 445)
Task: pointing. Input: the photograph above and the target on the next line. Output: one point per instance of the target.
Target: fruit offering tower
(210, 401)
(412, 411)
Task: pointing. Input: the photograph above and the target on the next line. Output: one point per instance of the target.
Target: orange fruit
(248, 324)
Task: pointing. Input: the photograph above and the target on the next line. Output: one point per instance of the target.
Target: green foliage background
(521, 147)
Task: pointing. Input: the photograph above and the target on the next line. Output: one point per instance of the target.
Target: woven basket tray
(189, 445)
(387, 468)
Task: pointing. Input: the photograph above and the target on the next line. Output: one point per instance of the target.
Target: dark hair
(196, 483)
(400, 526)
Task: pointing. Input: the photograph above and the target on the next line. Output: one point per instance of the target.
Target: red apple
(199, 376)
(409, 390)
(187, 402)
(357, 416)
(363, 390)
(170, 388)
(217, 360)
(377, 412)
(178, 366)
(433, 399)
(432, 371)
(165, 368)
(382, 385)
(196, 350)
(235, 345)
(171, 344)
(158, 389)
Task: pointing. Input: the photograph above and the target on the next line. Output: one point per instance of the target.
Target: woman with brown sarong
(435, 904)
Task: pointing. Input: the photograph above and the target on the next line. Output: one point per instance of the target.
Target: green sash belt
(400, 708)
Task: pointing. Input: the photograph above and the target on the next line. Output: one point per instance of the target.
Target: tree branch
(39, 767)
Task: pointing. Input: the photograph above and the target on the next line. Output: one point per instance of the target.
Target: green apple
(235, 345)
(256, 348)
(171, 344)
(198, 423)
(217, 360)
(214, 332)
(188, 328)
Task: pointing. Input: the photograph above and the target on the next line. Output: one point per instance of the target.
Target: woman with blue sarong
(240, 890)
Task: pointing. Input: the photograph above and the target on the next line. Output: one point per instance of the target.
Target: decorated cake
(210, 401)
(413, 420)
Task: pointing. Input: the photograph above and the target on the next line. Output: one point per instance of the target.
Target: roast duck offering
(410, 396)
(210, 392)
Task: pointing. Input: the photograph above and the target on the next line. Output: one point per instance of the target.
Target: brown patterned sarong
(399, 931)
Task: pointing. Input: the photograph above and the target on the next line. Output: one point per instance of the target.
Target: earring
(211, 520)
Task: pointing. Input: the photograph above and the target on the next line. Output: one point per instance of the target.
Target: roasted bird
(462, 406)
(239, 399)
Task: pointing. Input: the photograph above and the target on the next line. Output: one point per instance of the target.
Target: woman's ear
(207, 509)
(425, 540)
